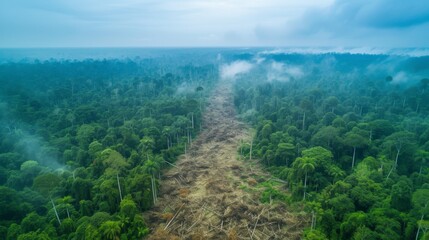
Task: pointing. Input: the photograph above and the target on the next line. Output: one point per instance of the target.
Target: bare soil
(212, 194)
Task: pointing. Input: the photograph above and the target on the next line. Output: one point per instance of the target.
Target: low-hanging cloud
(282, 72)
(30, 145)
(230, 71)
(400, 77)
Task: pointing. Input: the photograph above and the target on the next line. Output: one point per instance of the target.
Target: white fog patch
(184, 88)
(259, 60)
(35, 148)
(283, 72)
(230, 71)
(408, 52)
(400, 77)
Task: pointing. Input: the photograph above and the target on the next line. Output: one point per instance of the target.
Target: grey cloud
(367, 23)
(59, 23)
(369, 13)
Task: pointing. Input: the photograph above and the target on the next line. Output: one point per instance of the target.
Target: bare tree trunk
(390, 172)
(119, 187)
(370, 135)
(152, 181)
(154, 188)
(313, 220)
(418, 230)
(55, 210)
(305, 186)
(397, 157)
(354, 155)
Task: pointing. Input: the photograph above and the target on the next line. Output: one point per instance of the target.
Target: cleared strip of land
(211, 194)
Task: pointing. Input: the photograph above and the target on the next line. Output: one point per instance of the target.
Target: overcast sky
(278, 23)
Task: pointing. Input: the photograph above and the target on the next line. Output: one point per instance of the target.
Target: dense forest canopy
(83, 142)
(350, 134)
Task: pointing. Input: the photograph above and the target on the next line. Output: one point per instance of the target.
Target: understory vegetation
(349, 134)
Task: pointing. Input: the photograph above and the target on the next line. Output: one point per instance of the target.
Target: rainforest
(213, 143)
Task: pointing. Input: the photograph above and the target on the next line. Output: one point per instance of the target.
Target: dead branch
(175, 215)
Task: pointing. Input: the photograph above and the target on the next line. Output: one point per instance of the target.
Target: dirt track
(204, 197)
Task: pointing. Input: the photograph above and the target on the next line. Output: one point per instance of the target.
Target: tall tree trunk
(418, 230)
(153, 189)
(119, 187)
(354, 155)
(55, 210)
(305, 185)
(390, 172)
(397, 157)
(370, 135)
(313, 220)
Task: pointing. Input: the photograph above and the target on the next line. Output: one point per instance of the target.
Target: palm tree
(304, 165)
(356, 141)
(111, 230)
(152, 167)
(335, 172)
(307, 166)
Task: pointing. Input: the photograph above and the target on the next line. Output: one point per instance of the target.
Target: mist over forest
(90, 138)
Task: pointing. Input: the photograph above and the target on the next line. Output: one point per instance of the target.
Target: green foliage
(97, 121)
(34, 235)
(32, 222)
(401, 195)
(271, 193)
(314, 235)
(110, 230)
(128, 208)
(346, 140)
(67, 227)
(13, 231)
(85, 125)
(12, 205)
(46, 183)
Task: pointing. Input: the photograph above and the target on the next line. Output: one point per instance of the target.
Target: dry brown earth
(212, 194)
